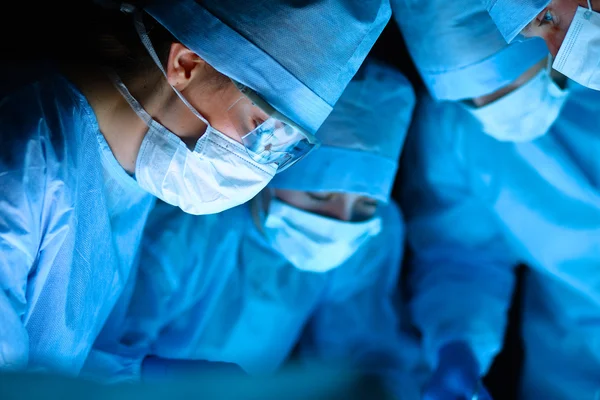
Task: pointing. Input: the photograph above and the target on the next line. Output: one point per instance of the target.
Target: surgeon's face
(553, 22)
(341, 206)
(212, 94)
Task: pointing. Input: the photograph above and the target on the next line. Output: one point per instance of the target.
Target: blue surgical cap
(458, 51)
(298, 55)
(511, 16)
(362, 138)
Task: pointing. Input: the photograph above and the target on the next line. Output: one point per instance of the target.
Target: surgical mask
(215, 176)
(312, 242)
(524, 114)
(579, 54)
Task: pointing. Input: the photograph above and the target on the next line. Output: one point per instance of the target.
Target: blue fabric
(511, 16)
(298, 57)
(458, 51)
(70, 223)
(230, 297)
(362, 138)
(457, 375)
(475, 207)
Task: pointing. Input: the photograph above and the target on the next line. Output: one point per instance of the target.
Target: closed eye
(320, 196)
(545, 17)
(370, 203)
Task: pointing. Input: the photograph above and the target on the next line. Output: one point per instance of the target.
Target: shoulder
(39, 122)
(441, 125)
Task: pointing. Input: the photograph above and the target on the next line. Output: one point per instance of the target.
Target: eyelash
(319, 198)
(543, 20)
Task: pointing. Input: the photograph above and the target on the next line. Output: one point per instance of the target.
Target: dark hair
(112, 41)
(107, 38)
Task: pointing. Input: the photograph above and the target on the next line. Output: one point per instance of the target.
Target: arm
(151, 298)
(359, 321)
(23, 176)
(462, 274)
(184, 261)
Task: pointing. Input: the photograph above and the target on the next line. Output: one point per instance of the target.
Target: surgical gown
(475, 207)
(70, 224)
(212, 288)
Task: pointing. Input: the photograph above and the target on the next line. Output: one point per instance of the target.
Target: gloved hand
(158, 369)
(456, 376)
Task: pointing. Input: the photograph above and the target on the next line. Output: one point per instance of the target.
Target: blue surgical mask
(313, 242)
(526, 113)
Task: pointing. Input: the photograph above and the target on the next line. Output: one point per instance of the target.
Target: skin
(553, 22)
(521, 80)
(342, 206)
(187, 72)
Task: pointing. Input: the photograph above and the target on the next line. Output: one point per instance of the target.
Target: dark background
(32, 33)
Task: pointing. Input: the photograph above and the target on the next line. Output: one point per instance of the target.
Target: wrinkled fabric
(235, 299)
(475, 207)
(457, 49)
(362, 138)
(511, 16)
(70, 224)
(299, 56)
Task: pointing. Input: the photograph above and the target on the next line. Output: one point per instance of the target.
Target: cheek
(554, 38)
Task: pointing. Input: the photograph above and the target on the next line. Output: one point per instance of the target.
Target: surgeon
(463, 58)
(506, 90)
(315, 259)
(475, 208)
(198, 104)
(571, 29)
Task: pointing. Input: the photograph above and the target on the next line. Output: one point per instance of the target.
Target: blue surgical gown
(70, 225)
(212, 288)
(475, 207)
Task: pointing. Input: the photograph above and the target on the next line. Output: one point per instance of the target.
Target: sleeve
(462, 270)
(153, 295)
(22, 184)
(361, 322)
(160, 312)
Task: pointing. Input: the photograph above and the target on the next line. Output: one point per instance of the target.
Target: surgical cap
(457, 49)
(511, 16)
(298, 55)
(362, 138)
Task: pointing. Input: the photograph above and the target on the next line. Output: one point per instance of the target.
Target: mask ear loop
(588, 13)
(141, 30)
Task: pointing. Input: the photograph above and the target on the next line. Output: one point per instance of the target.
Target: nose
(554, 39)
(553, 47)
(342, 209)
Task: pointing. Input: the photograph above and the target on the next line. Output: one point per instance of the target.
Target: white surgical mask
(312, 242)
(217, 175)
(579, 54)
(524, 114)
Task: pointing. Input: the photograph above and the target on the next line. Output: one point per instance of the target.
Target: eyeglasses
(269, 136)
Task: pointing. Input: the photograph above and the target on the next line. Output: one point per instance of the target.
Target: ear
(182, 66)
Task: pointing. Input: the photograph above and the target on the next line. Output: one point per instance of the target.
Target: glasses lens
(269, 137)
